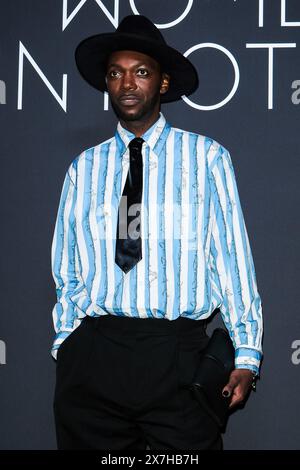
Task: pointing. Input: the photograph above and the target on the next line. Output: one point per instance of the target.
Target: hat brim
(92, 53)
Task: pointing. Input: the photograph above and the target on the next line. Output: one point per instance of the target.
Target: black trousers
(122, 383)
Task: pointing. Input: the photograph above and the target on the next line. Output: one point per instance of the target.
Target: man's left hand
(238, 386)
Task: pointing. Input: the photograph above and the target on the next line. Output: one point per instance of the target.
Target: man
(135, 284)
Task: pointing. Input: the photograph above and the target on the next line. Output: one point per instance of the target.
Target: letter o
(172, 23)
(236, 79)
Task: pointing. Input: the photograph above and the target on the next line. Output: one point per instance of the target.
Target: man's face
(134, 83)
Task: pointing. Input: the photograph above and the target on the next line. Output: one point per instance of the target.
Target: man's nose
(129, 81)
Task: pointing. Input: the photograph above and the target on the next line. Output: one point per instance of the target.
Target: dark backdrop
(41, 133)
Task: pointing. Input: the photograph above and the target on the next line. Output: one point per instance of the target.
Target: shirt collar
(155, 136)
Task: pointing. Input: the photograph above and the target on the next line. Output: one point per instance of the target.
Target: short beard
(143, 112)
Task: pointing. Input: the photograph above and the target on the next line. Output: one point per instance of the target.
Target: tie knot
(136, 143)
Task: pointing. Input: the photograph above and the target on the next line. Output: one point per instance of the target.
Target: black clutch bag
(212, 374)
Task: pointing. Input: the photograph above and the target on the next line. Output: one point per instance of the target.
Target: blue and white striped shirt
(196, 252)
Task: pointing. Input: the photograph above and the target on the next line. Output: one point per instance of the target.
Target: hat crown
(136, 33)
(141, 26)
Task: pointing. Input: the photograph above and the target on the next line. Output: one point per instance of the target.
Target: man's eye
(143, 72)
(113, 73)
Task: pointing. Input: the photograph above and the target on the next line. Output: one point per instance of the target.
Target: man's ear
(165, 82)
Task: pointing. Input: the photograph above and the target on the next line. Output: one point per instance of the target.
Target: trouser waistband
(159, 325)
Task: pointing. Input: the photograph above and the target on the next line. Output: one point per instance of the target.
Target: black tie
(128, 239)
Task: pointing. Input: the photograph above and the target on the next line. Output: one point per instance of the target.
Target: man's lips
(129, 100)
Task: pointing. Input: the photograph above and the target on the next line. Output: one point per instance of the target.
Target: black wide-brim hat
(136, 33)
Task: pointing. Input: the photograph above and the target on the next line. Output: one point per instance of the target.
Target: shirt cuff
(248, 358)
(54, 353)
(59, 339)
